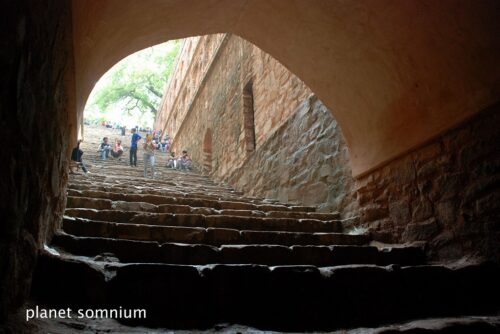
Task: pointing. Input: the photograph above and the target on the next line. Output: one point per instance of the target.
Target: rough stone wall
(300, 154)
(305, 161)
(447, 192)
(36, 62)
(217, 107)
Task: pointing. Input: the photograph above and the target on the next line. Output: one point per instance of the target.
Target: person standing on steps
(149, 156)
(133, 147)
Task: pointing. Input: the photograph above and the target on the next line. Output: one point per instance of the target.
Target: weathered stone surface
(263, 254)
(445, 192)
(374, 212)
(211, 236)
(36, 102)
(304, 292)
(312, 215)
(421, 231)
(134, 206)
(221, 236)
(318, 172)
(300, 156)
(102, 215)
(87, 202)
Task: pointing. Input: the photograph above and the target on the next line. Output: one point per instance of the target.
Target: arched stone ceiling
(394, 73)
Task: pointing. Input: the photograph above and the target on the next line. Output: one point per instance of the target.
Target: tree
(137, 82)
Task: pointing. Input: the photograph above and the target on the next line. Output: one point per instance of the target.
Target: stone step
(164, 193)
(199, 254)
(88, 198)
(75, 202)
(202, 220)
(172, 189)
(200, 235)
(181, 199)
(187, 181)
(283, 298)
(89, 191)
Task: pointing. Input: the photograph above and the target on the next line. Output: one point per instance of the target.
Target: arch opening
(370, 73)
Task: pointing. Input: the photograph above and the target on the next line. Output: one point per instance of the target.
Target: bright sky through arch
(130, 92)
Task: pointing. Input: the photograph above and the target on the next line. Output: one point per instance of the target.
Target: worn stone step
(146, 185)
(202, 235)
(283, 298)
(75, 202)
(304, 215)
(170, 190)
(199, 254)
(201, 220)
(180, 200)
(172, 184)
(187, 183)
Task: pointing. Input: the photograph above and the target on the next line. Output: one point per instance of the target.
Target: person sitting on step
(172, 160)
(117, 150)
(185, 162)
(76, 159)
(104, 148)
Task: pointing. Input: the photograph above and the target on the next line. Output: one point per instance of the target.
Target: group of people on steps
(150, 146)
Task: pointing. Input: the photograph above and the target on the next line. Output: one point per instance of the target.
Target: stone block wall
(191, 65)
(36, 128)
(446, 192)
(304, 161)
(218, 104)
(300, 154)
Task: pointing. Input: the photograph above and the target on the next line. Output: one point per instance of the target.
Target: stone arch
(391, 78)
(207, 152)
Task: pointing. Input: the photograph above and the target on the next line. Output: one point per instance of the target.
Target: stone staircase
(195, 254)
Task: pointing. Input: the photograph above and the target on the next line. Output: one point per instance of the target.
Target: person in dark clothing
(76, 156)
(104, 148)
(133, 147)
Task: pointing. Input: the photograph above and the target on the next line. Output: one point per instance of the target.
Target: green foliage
(137, 82)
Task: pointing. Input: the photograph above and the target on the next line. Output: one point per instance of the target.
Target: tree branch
(154, 91)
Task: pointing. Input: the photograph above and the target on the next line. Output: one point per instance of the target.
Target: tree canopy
(135, 85)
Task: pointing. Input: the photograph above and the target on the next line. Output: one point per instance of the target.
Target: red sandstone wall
(301, 156)
(218, 103)
(193, 62)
